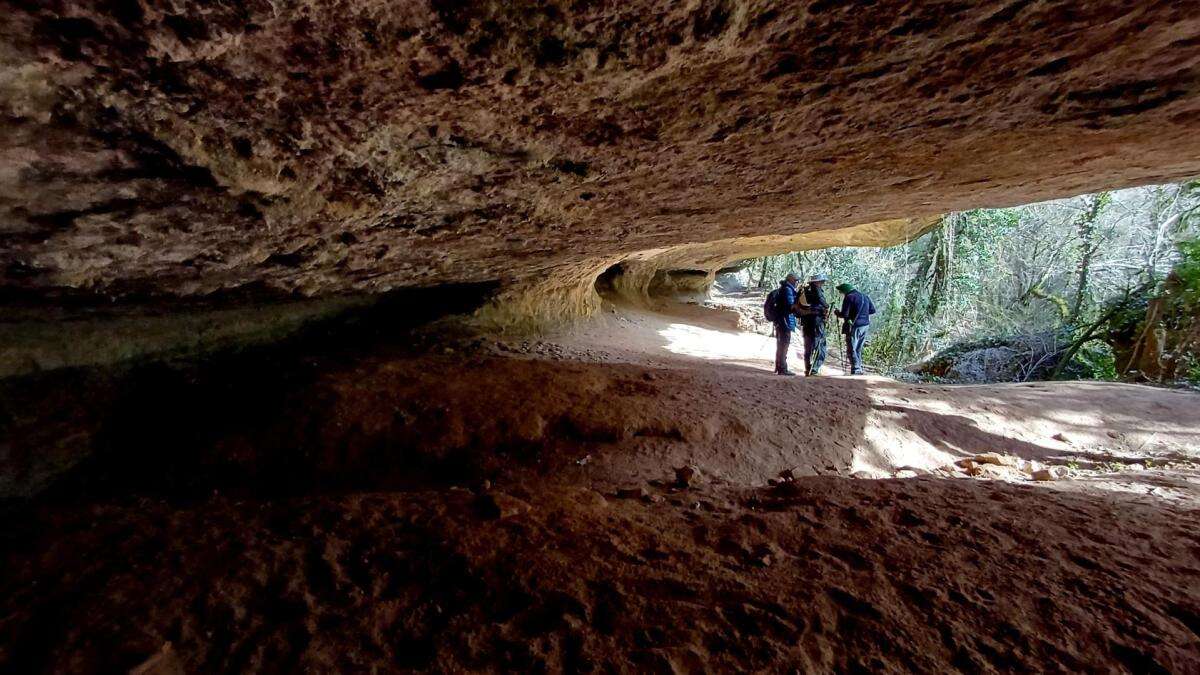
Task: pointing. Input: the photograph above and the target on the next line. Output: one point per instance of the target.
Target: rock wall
(311, 147)
(688, 271)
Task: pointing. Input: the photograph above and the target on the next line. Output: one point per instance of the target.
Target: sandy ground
(513, 505)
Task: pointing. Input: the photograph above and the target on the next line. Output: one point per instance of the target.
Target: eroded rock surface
(183, 148)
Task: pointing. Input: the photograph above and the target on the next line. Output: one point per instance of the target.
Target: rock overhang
(317, 148)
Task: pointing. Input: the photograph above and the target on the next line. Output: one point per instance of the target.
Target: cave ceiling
(184, 148)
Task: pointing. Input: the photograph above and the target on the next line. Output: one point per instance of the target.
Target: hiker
(814, 312)
(855, 313)
(779, 309)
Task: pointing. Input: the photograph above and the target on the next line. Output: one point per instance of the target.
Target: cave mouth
(366, 336)
(1079, 288)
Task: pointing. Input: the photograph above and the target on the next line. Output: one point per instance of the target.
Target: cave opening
(362, 336)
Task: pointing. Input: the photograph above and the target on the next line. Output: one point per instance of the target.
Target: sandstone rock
(499, 506)
(633, 493)
(165, 662)
(1047, 474)
(996, 458)
(590, 498)
(994, 471)
(688, 476)
(639, 493)
(766, 554)
(463, 142)
(789, 487)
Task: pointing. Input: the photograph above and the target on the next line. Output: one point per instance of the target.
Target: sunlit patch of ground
(1099, 436)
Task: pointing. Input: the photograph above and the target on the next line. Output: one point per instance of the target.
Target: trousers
(855, 338)
(814, 349)
(783, 340)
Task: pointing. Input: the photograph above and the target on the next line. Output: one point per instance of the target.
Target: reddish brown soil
(409, 511)
(834, 575)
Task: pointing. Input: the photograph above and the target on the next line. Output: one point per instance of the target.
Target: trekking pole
(842, 348)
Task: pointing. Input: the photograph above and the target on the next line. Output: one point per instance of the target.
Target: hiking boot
(786, 372)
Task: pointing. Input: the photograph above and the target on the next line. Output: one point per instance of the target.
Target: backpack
(771, 306)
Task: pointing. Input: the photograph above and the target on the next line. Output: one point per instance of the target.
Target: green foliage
(1192, 372)
(1095, 361)
(1017, 272)
(1187, 271)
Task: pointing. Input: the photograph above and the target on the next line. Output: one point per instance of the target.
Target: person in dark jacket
(785, 322)
(815, 311)
(855, 313)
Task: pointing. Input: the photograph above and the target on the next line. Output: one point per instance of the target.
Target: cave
(381, 335)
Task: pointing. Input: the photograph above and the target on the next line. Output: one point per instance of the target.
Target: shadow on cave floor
(374, 402)
(376, 502)
(143, 423)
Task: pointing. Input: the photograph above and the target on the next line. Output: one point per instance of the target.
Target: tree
(1048, 269)
(1088, 245)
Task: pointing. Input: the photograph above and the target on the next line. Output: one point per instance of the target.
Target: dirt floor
(501, 504)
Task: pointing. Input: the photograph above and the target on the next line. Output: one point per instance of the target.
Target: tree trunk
(1064, 312)
(912, 316)
(939, 284)
(1086, 230)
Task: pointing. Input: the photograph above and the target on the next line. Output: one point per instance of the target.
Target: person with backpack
(779, 309)
(814, 311)
(855, 313)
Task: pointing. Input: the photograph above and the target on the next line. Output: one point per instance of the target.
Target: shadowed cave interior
(398, 336)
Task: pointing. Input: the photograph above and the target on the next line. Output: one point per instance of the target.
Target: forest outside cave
(1100, 286)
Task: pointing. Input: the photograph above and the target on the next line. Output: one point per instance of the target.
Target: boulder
(1047, 474)
(789, 474)
(996, 458)
(499, 506)
(688, 476)
(994, 471)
